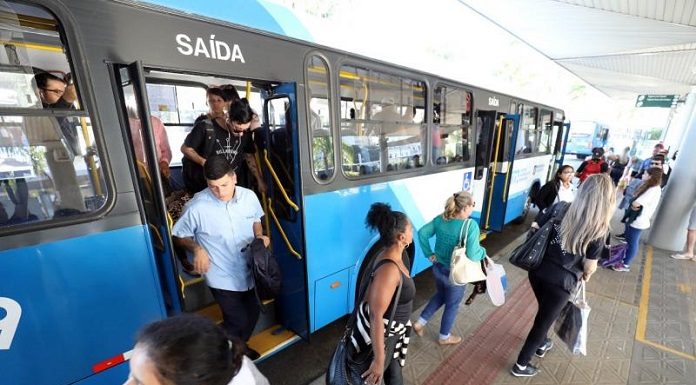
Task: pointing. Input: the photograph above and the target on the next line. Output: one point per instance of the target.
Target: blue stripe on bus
(83, 299)
(257, 14)
(515, 205)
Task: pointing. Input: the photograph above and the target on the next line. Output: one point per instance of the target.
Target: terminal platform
(642, 330)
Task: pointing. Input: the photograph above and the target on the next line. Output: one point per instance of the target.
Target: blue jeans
(633, 240)
(447, 294)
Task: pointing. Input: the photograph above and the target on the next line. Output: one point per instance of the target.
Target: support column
(679, 196)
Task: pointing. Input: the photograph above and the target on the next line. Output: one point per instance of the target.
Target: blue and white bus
(585, 136)
(86, 257)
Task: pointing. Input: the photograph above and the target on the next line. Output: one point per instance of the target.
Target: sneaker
(451, 340)
(621, 236)
(418, 328)
(681, 256)
(541, 350)
(529, 371)
(621, 267)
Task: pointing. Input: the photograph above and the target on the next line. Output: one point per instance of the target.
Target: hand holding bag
(571, 325)
(462, 269)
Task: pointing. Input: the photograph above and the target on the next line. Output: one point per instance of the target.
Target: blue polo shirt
(223, 229)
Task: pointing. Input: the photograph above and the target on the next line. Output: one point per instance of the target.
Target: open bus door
(139, 131)
(559, 138)
(501, 158)
(280, 158)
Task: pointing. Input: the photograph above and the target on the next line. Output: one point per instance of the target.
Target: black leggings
(551, 299)
(392, 371)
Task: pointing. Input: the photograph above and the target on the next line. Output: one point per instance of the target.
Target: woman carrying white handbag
(447, 229)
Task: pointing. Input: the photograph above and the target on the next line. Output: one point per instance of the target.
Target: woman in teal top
(446, 228)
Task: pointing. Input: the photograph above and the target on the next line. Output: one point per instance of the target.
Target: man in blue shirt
(216, 225)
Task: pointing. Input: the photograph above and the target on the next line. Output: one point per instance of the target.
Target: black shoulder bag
(344, 368)
(529, 254)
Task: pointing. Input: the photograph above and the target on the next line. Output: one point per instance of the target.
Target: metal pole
(679, 196)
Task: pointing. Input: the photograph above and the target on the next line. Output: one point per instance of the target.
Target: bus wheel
(527, 206)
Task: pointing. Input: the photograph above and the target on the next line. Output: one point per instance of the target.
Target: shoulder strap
(209, 143)
(461, 231)
(397, 294)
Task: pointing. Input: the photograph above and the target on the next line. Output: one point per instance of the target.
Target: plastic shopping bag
(496, 282)
(571, 325)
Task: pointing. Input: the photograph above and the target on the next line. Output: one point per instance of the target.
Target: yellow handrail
(280, 185)
(282, 232)
(495, 167)
(507, 179)
(266, 224)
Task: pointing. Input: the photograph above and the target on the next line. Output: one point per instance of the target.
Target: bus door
(141, 142)
(283, 205)
(559, 138)
(501, 156)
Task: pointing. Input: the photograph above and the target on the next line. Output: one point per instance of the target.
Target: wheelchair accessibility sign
(466, 183)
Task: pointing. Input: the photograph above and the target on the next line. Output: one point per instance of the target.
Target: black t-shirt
(224, 142)
(559, 267)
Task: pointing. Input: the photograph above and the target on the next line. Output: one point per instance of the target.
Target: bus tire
(527, 206)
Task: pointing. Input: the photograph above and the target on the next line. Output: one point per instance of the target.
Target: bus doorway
(501, 133)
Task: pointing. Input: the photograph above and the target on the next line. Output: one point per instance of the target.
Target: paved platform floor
(642, 330)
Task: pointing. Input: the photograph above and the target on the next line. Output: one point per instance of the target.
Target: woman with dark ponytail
(388, 342)
(189, 350)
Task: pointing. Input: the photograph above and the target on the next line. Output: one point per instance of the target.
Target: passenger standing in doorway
(593, 166)
(388, 342)
(447, 228)
(690, 239)
(560, 189)
(639, 212)
(216, 225)
(576, 244)
(189, 349)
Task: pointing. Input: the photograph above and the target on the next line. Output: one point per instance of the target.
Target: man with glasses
(58, 93)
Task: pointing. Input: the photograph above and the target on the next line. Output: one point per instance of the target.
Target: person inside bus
(576, 244)
(229, 137)
(214, 227)
(163, 152)
(595, 165)
(189, 349)
(557, 190)
(447, 228)
(60, 138)
(389, 343)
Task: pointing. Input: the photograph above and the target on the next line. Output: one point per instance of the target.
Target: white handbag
(462, 269)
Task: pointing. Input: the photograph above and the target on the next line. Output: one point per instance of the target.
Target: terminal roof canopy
(623, 48)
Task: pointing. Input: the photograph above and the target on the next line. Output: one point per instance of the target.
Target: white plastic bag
(496, 282)
(581, 343)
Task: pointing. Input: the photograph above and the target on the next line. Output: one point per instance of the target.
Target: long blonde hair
(589, 215)
(456, 203)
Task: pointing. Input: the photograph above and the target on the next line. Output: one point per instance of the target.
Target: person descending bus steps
(560, 189)
(388, 342)
(638, 214)
(593, 166)
(216, 225)
(189, 349)
(618, 165)
(576, 244)
(447, 228)
(690, 239)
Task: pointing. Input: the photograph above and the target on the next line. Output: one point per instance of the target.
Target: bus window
(452, 127)
(320, 118)
(177, 106)
(49, 165)
(382, 122)
(528, 135)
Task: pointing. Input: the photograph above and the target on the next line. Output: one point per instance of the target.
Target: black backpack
(264, 270)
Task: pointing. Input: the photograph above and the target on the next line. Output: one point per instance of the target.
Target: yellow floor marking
(643, 310)
(270, 339)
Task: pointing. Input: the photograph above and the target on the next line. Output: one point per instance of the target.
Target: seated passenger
(189, 349)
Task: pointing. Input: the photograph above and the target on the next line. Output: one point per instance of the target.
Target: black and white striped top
(360, 337)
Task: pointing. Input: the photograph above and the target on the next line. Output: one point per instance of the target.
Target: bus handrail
(495, 169)
(277, 180)
(281, 231)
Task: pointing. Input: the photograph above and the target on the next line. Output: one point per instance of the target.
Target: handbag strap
(461, 231)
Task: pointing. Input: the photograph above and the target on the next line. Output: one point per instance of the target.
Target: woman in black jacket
(556, 190)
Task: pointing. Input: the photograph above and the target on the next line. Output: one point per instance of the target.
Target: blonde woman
(446, 228)
(576, 243)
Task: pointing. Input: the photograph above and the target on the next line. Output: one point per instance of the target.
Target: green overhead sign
(663, 101)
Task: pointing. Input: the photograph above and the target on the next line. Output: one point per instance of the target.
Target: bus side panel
(82, 301)
(337, 239)
(525, 173)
